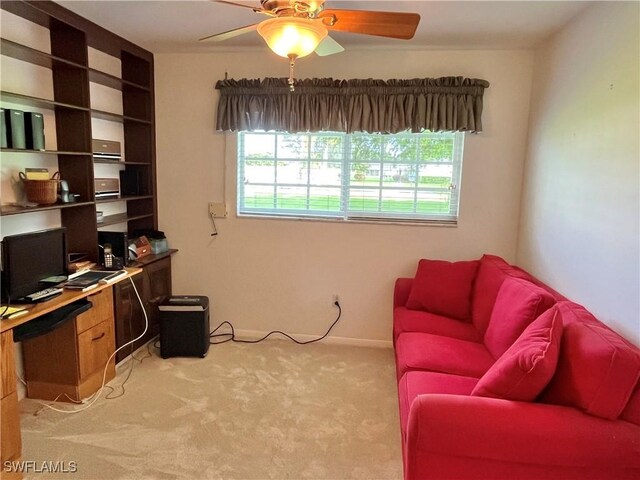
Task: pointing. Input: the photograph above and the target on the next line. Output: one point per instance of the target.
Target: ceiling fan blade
(383, 24)
(219, 37)
(328, 46)
(255, 9)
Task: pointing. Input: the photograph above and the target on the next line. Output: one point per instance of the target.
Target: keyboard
(43, 295)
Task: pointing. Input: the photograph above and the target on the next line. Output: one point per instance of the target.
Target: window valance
(357, 105)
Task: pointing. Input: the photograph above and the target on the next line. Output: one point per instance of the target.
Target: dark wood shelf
(127, 118)
(38, 102)
(149, 259)
(16, 210)
(118, 162)
(37, 57)
(121, 218)
(123, 198)
(116, 117)
(45, 152)
(112, 81)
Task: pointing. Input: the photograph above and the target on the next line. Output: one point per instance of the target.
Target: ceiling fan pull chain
(292, 61)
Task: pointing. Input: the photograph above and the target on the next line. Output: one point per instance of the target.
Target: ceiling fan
(297, 28)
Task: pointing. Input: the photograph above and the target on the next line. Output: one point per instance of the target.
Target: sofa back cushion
(518, 303)
(523, 371)
(492, 271)
(443, 288)
(597, 370)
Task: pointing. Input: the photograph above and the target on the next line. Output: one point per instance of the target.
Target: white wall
(580, 217)
(265, 274)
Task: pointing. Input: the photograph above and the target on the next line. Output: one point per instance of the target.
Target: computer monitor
(29, 258)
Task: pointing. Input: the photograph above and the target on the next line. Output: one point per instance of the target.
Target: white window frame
(345, 214)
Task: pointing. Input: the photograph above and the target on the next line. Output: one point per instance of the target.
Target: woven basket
(42, 192)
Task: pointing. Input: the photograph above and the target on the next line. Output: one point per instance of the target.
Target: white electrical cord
(96, 395)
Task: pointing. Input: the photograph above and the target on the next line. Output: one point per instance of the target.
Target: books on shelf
(81, 266)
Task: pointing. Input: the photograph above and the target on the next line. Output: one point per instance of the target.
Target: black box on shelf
(184, 326)
(3, 130)
(14, 120)
(131, 182)
(34, 130)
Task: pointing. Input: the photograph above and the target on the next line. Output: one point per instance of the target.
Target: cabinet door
(128, 314)
(158, 275)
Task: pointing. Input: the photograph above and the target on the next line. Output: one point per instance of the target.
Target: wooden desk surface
(67, 297)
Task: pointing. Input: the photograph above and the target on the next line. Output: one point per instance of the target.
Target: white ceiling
(175, 26)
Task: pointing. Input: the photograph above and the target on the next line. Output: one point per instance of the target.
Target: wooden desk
(68, 296)
(54, 363)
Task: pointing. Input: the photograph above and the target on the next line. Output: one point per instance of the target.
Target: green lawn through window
(332, 203)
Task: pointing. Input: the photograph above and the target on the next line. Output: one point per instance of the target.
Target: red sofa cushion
(443, 288)
(424, 351)
(413, 384)
(517, 305)
(492, 271)
(523, 371)
(405, 320)
(597, 369)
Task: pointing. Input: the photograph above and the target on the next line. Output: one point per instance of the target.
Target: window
(400, 177)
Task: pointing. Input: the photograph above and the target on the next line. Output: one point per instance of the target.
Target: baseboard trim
(331, 340)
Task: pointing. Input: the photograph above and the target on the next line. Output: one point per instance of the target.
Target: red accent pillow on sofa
(443, 288)
(518, 304)
(523, 371)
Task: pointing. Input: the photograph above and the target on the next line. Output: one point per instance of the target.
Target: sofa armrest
(530, 438)
(401, 291)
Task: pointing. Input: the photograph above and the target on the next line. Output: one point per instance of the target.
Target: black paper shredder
(184, 326)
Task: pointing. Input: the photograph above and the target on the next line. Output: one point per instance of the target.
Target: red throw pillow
(517, 305)
(523, 371)
(443, 288)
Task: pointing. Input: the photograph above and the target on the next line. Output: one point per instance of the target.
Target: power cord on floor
(231, 336)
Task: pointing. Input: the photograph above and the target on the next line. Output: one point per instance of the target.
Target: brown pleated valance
(373, 106)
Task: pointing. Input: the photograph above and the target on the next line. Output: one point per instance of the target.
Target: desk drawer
(101, 311)
(94, 348)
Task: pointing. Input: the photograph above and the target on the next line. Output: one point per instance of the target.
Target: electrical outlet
(218, 210)
(335, 299)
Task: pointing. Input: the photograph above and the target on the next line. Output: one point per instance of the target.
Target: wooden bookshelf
(71, 36)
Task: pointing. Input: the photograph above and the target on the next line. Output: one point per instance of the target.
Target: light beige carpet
(273, 410)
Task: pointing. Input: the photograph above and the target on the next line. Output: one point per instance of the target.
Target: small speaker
(14, 120)
(3, 130)
(34, 130)
(130, 182)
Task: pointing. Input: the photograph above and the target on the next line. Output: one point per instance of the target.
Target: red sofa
(500, 377)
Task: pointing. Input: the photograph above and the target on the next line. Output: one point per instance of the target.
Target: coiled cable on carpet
(231, 336)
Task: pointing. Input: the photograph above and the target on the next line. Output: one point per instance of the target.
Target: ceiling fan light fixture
(292, 37)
